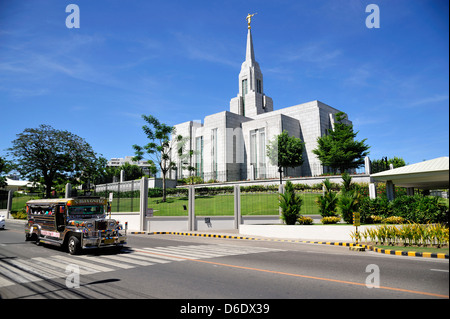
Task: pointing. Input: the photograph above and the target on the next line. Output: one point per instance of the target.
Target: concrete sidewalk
(233, 234)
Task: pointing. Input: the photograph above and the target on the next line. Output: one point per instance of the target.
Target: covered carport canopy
(432, 174)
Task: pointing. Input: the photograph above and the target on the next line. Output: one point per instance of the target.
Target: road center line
(302, 276)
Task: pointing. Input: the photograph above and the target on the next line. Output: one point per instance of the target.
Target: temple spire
(250, 54)
(251, 99)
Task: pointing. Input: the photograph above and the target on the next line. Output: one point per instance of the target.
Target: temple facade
(232, 145)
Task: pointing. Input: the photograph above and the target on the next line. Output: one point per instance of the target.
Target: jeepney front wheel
(73, 245)
(33, 237)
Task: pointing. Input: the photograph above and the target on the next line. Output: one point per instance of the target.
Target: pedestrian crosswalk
(24, 270)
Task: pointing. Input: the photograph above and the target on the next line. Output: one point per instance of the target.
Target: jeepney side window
(36, 210)
(60, 214)
(41, 211)
(85, 210)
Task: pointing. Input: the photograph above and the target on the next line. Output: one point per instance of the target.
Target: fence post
(118, 196)
(280, 191)
(132, 195)
(143, 203)
(9, 204)
(372, 190)
(390, 190)
(68, 190)
(367, 169)
(237, 207)
(192, 222)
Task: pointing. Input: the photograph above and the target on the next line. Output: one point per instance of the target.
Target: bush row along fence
(260, 173)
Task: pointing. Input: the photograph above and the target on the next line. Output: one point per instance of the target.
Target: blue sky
(180, 60)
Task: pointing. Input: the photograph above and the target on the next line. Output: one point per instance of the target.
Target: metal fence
(268, 172)
(124, 196)
(219, 201)
(3, 199)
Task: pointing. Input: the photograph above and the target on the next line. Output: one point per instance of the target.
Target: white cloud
(359, 76)
(205, 49)
(314, 53)
(431, 99)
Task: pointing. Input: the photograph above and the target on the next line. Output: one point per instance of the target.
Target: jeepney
(73, 223)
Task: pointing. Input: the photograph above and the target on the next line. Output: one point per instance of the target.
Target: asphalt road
(190, 268)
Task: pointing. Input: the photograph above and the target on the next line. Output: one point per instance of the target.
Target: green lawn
(223, 205)
(19, 202)
(217, 205)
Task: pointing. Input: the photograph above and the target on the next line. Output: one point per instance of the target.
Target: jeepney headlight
(85, 232)
(90, 225)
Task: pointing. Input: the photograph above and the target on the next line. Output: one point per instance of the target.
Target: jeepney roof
(52, 201)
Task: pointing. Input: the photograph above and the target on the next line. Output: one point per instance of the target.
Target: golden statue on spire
(249, 19)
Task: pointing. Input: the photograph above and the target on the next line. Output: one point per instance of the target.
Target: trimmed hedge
(416, 209)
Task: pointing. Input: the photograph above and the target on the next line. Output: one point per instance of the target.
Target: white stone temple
(231, 145)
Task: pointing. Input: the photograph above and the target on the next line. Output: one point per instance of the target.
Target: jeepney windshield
(87, 210)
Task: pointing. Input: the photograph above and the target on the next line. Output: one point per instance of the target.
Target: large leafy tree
(285, 151)
(160, 146)
(379, 165)
(4, 168)
(339, 149)
(50, 154)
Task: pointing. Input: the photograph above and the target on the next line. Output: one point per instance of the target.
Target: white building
(128, 159)
(17, 185)
(231, 145)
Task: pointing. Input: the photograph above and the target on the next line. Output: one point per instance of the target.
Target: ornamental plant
(328, 202)
(410, 234)
(394, 220)
(330, 220)
(304, 220)
(290, 204)
(349, 199)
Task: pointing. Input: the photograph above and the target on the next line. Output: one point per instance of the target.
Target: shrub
(374, 219)
(21, 214)
(330, 220)
(381, 190)
(409, 234)
(348, 204)
(191, 180)
(259, 188)
(328, 202)
(349, 200)
(420, 209)
(290, 204)
(394, 220)
(304, 220)
(416, 209)
(379, 206)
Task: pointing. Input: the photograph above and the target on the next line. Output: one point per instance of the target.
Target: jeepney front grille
(101, 225)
